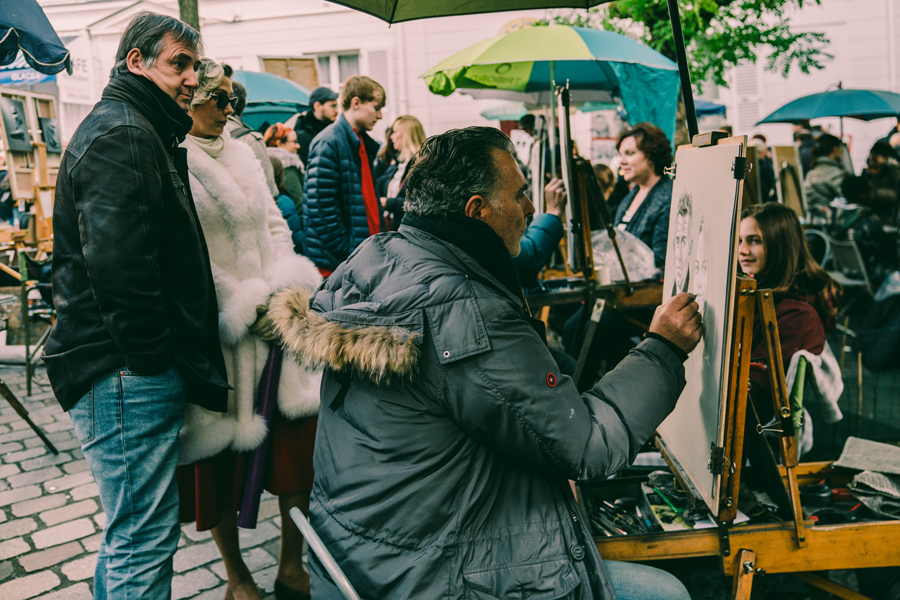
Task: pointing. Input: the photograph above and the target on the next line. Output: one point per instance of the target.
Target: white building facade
(344, 42)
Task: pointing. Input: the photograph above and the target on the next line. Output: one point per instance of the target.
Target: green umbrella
(598, 64)
(397, 11)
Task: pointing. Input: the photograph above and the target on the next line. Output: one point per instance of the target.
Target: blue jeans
(632, 581)
(128, 426)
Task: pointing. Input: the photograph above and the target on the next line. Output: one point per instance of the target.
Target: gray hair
(452, 167)
(147, 32)
(209, 77)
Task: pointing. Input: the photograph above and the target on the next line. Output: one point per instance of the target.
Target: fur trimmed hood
(376, 352)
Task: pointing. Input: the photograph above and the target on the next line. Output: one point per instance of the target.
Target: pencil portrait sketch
(682, 244)
(700, 260)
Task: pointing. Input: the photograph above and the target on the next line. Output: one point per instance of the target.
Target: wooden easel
(797, 546)
(579, 282)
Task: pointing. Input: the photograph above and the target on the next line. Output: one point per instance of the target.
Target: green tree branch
(718, 34)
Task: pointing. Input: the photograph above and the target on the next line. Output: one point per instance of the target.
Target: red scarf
(368, 190)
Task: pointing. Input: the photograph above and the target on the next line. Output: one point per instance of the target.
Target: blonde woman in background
(407, 136)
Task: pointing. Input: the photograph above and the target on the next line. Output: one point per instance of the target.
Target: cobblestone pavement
(51, 520)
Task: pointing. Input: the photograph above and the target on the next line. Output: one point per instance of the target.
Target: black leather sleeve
(121, 221)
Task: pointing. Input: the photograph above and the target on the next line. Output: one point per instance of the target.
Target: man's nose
(528, 207)
(191, 81)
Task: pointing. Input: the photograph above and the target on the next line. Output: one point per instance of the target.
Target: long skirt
(208, 487)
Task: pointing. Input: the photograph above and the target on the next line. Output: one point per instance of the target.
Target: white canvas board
(701, 259)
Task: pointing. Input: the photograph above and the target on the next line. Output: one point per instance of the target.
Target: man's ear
(476, 207)
(134, 61)
(355, 102)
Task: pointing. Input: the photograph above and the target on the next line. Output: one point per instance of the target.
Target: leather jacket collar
(170, 121)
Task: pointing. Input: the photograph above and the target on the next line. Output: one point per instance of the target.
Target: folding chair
(316, 545)
(819, 245)
(849, 270)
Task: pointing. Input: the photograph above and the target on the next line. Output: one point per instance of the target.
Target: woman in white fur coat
(252, 257)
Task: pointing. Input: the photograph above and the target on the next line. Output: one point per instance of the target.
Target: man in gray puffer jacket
(447, 434)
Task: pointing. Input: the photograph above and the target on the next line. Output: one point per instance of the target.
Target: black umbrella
(24, 26)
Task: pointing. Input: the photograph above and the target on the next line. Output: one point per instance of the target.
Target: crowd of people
(202, 359)
(342, 322)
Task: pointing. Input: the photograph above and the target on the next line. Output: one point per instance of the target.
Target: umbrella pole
(680, 53)
(842, 129)
(552, 120)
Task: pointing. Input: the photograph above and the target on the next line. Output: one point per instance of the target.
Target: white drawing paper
(700, 259)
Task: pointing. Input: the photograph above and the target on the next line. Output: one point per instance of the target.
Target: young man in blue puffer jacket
(340, 206)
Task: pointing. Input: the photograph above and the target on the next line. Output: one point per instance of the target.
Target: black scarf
(168, 118)
(476, 239)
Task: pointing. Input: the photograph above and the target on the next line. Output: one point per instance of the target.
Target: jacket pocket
(550, 580)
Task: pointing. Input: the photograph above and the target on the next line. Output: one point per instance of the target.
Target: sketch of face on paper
(706, 269)
(14, 124)
(682, 244)
(699, 284)
(700, 269)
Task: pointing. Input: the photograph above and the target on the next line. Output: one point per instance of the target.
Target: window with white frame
(335, 67)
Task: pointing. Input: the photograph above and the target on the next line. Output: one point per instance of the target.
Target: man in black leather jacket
(137, 333)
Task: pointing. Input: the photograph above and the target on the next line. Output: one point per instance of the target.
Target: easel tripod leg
(596, 311)
(17, 406)
(743, 578)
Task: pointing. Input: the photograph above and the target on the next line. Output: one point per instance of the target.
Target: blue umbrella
(705, 108)
(857, 104)
(270, 98)
(24, 26)
(266, 87)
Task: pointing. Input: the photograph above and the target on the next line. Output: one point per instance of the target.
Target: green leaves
(718, 34)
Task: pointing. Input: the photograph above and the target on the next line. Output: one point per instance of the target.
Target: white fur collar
(288, 159)
(236, 183)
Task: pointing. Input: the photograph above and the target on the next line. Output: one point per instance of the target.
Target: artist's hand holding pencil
(679, 321)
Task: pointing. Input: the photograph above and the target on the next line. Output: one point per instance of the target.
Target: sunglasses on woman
(223, 100)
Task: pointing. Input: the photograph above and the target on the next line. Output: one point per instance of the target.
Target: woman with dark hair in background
(606, 179)
(645, 151)
(286, 206)
(773, 249)
(385, 164)
(823, 181)
(281, 142)
(883, 171)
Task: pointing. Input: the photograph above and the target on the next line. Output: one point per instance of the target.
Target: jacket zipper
(579, 534)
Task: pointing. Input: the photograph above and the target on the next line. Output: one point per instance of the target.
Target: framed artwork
(15, 125)
(51, 136)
